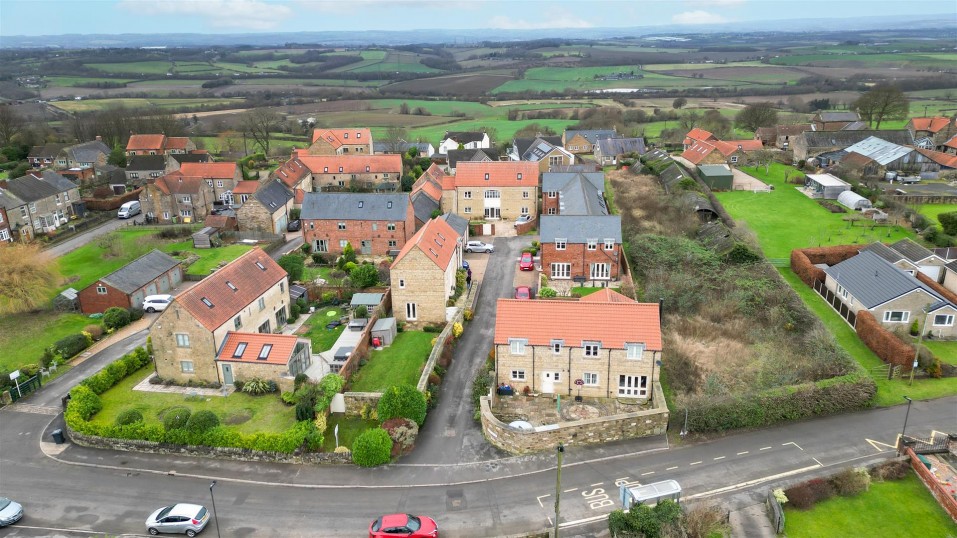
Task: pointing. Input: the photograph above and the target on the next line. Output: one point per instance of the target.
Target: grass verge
(401, 363)
(349, 429)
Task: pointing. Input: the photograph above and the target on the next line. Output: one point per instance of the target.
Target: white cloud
(698, 17)
(559, 20)
(235, 14)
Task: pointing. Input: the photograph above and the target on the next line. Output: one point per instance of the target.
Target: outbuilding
(384, 330)
(852, 200)
(825, 186)
(153, 273)
(718, 177)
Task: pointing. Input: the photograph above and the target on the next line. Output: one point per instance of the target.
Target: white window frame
(401, 283)
(557, 346)
(4, 234)
(631, 385)
(591, 349)
(518, 375)
(888, 316)
(390, 226)
(187, 367)
(186, 199)
(948, 320)
(600, 271)
(343, 243)
(590, 379)
(609, 244)
(468, 209)
(492, 194)
(552, 194)
(182, 340)
(525, 211)
(842, 291)
(560, 270)
(341, 226)
(634, 351)
(467, 195)
(592, 244)
(561, 243)
(411, 311)
(734, 159)
(516, 346)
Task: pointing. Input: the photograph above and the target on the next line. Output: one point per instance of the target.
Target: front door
(548, 382)
(227, 374)
(366, 247)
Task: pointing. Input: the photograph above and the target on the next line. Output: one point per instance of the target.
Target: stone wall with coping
(580, 432)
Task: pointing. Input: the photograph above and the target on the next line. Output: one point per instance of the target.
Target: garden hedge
(70, 346)
(882, 342)
(803, 261)
(403, 401)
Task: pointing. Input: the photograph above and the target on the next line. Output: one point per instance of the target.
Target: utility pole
(558, 485)
(900, 445)
(920, 338)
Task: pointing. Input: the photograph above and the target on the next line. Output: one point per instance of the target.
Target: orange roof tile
(698, 134)
(340, 137)
(431, 182)
(143, 142)
(952, 143)
(606, 295)
(251, 274)
(352, 164)
(437, 240)
(497, 174)
(178, 183)
(932, 124)
(698, 151)
(612, 323)
(177, 142)
(292, 172)
(219, 221)
(941, 158)
(246, 187)
(727, 147)
(279, 352)
(209, 170)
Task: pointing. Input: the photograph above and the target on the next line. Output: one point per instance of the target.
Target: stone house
(779, 136)
(6, 235)
(894, 297)
(456, 156)
(158, 144)
(374, 224)
(221, 176)
(351, 141)
(437, 185)
(496, 190)
(84, 155)
(584, 249)
(153, 273)
(697, 135)
(608, 150)
(573, 193)
(423, 273)
(266, 210)
(344, 172)
(39, 202)
(813, 143)
(140, 168)
(608, 341)
(466, 139)
(296, 176)
(730, 152)
(44, 156)
(834, 121)
(177, 198)
(547, 151)
(911, 257)
(250, 294)
(583, 141)
(275, 357)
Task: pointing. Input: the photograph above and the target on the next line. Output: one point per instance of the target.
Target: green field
(932, 210)
(910, 60)
(140, 68)
(156, 67)
(23, 337)
(582, 78)
(399, 364)
(88, 105)
(69, 82)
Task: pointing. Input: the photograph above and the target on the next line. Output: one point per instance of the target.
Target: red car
(526, 263)
(523, 292)
(405, 525)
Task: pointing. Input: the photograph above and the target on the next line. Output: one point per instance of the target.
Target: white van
(129, 209)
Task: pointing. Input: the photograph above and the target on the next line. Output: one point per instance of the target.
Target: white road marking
(671, 468)
(695, 463)
(570, 490)
(751, 482)
(793, 443)
(818, 462)
(719, 458)
(540, 497)
(648, 473)
(766, 448)
(596, 485)
(743, 453)
(874, 444)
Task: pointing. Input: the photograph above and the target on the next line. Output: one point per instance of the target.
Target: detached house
(221, 177)
(350, 141)
(423, 273)
(583, 141)
(177, 198)
(607, 340)
(374, 224)
(85, 155)
(582, 248)
(496, 190)
(150, 274)
(544, 150)
(267, 209)
(609, 150)
(159, 144)
(250, 294)
(44, 156)
(466, 139)
(343, 172)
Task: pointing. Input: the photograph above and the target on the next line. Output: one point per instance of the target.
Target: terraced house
(38, 202)
(159, 144)
(496, 190)
(381, 173)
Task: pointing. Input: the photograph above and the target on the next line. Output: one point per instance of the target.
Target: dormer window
(325, 169)
(358, 135)
(556, 346)
(367, 168)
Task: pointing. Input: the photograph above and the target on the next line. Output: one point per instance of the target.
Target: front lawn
(785, 219)
(209, 258)
(349, 429)
(23, 337)
(892, 508)
(399, 364)
(323, 338)
(946, 351)
(246, 414)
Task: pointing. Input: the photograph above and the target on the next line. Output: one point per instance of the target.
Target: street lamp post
(904, 429)
(215, 517)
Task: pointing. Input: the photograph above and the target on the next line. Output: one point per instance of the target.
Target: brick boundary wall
(944, 499)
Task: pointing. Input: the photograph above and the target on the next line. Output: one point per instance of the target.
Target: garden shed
(825, 186)
(717, 177)
(368, 300)
(385, 330)
(852, 200)
(205, 237)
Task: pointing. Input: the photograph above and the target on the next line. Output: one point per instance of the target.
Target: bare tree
(764, 157)
(11, 125)
(260, 124)
(882, 103)
(29, 279)
(757, 115)
(394, 138)
(689, 120)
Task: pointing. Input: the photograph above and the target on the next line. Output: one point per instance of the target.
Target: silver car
(478, 246)
(10, 512)
(188, 519)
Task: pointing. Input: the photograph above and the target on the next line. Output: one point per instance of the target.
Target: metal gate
(26, 388)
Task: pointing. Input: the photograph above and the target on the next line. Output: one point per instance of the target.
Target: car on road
(188, 519)
(10, 512)
(523, 292)
(527, 263)
(478, 246)
(522, 219)
(156, 303)
(294, 226)
(403, 525)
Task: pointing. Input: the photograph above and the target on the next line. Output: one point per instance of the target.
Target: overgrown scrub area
(742, 349)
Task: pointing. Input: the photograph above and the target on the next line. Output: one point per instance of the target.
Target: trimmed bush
(372, 447)
(94, 330)
(403, 401)
(403, 432)
(800, 496)
(116, 317)
(70, 346)
(128, 416)
(202, 422)
(361, 311)
(890, 470)
(84, 402)
(176, 418)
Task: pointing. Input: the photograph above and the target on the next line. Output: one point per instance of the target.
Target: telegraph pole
(558, 485)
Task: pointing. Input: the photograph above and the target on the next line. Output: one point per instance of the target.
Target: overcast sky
(52, 17)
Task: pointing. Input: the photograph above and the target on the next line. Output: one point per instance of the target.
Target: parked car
(188, 519)
(522, 219)
(156, 303)
(478, 246)
(129, 209)
(294, 226)
(403, 525)
(523, 292)
(527, 263)
(10, 512)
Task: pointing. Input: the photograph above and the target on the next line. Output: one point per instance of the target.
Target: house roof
(855, 126)
(140, 271)
(536, 149)
(911, 250)
(952, 143)
(340, 137)
(500, 174)
(873, 281)
(592, 135)
(292, 172)
(587, 167)
(698, 134)
(606, 295)
(144, 142)
(31, 188)
(620, 146)
(46, 150)
(246, 187)
(843, 139)
(948, 254)
(791, 129)
(251, 274)
(944, 159)
(879, 150)
(354, 206)
(698, 151)
(436, 240)
(219, 221)
(423, 205)
(209, 170)
(932, 124)
(194, 157)
(8, 200)
(456, 156)
(458, 223)
(143, 163)
(555, 181)
(56, 180)
(828, 180)
(177, 183)
(351, 164)
(277, 348)
(464, 137)
(177, 142)
(87, 152)
(579, 229)
(580, 195)
(613, 323)
(430, 183)
(367, 299)
(727, 147)
(273, 196)
(837, 116)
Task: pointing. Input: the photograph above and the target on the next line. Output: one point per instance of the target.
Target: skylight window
(240, 349)
(264, 352)
(232, 286)
(207, 302)
(261, 266)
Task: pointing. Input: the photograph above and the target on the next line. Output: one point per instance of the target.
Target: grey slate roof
(87, 152)
(8, 200)
(579, 194)
(273, 196)
(884, 251)
(145, 163)
(140, 271)
(554, 181)
(190, 157)
(621, 146)
(579, 229)
(587, 167)
(873, 281)
(30, 189)
(949, 253)
(843, 139)
(423, 206)
(57, 181)
(591, 135)
(911, 250)
(952, 266)
(464, 137)
(838, 116)
(354, 206)
(524, 145)
(481, 154)
(458, 223)
(45, 151)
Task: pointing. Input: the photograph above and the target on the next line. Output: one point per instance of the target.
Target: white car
(522, 219)
(478, 246)
(10, 512)
(156, 303)
(188, 519)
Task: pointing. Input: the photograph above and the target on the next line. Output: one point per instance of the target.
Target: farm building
(716, 176)
(154, 272)
(700, 205)
(825, 186)
(852, 200)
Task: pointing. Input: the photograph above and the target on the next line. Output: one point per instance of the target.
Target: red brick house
(150, 274)
(584, 249)
(374, 224)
